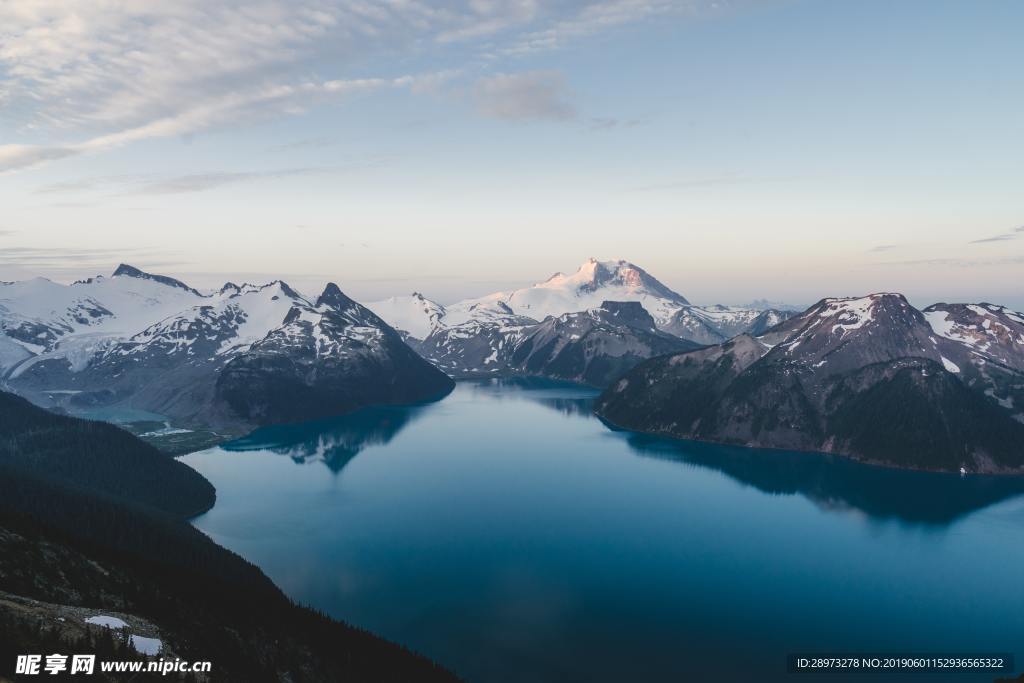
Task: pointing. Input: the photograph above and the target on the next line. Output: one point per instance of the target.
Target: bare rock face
(865, 377)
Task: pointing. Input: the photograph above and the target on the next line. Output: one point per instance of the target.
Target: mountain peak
(631, 313)
(333, 296)
(594, 274)
(840, 334)
(125, 270)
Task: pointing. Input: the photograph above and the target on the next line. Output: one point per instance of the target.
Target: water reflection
(334, 441)
(831, 482)
(839, 484)
(510, 535)
(567, 398)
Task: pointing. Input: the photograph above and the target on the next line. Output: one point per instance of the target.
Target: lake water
(510, 535)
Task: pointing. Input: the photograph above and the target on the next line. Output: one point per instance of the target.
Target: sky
(735, 149)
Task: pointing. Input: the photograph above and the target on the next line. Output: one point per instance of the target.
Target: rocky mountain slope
(992, 348)
(593, 347)
(145, 342)
(715, 324)
(868, 377)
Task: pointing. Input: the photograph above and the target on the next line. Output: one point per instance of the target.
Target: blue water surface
(510, 535)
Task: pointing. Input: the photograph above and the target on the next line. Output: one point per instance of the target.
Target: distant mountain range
(246, 355)
(493, 335)
(241, 356)
(872, 378)
(588, 288)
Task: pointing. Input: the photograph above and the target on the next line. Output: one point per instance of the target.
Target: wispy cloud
(153, 184)
(882, 247)
(74, 259)
(1005, 237)
(200, 182)
(595, 17)
(217, 111)
(95, 75)
(956, 262)
(529, 96)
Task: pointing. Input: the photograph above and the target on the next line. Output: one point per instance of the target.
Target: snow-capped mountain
(715, 324)
(587, 288)
(869, 377)
(593, 283)
(476, 337)
(153, 343)
(415, 315)
(478, 347)
(329, 357)
(841, 334)
(40, 315)
(592, 347)
(994, 333)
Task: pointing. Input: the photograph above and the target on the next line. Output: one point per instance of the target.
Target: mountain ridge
(587, 288)
(155, 344)
(866, 377)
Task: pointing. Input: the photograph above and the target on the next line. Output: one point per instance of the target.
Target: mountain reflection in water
(831, 482)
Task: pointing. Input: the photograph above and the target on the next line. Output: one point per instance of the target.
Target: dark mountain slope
(98, 458)
(99, 543)
(866, 378)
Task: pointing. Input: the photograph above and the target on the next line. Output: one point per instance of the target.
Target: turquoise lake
(513, 537)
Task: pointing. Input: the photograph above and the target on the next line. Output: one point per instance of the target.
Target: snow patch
(106, 621)
(146, 646)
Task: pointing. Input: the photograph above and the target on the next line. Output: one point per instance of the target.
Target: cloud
(956, 262)
(91, 75)
(61, 258)
(26, 156)
(595, 17)
(882, 247)
(152, 184)
(200, 182)
(231, 107)
(528, 96)
(1005, 237)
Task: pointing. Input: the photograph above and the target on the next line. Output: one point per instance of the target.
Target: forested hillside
(84, 524)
